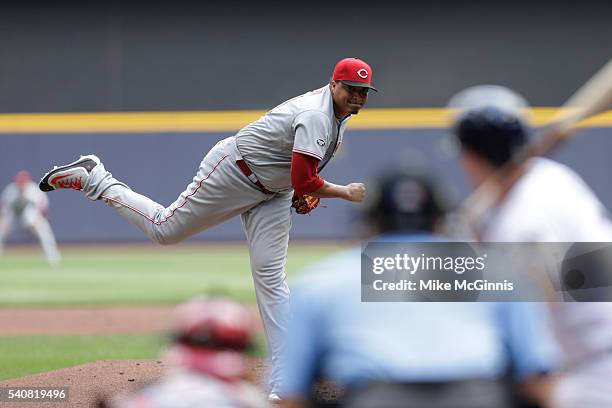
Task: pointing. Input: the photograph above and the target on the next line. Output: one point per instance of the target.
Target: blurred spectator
(23, 202)
(409, 354)
(549, 202)
(207, 360)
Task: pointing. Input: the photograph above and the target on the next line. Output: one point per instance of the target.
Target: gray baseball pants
(33, 220)
(219, 191)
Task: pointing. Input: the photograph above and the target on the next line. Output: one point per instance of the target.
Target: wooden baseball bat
(594, 97)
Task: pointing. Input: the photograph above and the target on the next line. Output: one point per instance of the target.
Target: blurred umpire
(545, 201)
(410, 354)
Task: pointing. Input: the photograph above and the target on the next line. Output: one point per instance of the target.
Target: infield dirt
(91, 382)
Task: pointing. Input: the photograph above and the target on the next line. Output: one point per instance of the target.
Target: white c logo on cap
(363, 73)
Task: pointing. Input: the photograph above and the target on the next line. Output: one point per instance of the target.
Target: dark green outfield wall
(123, 56)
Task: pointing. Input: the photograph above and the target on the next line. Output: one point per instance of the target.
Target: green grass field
(130, 274)
(144, 274)
(24, 355)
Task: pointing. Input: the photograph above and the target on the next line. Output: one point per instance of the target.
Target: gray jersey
(305, 124)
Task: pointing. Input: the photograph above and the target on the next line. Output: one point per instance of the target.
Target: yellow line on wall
(231, 121)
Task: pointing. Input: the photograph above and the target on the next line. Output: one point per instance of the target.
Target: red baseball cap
(354, 72)
(23, 177)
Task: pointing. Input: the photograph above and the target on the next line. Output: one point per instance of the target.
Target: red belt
(247, 172)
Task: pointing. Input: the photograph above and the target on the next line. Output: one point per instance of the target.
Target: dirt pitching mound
(89, 382)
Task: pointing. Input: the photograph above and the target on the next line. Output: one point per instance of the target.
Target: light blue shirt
(334, 334)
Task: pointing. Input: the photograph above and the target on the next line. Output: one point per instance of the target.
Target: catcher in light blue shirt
(411, 354)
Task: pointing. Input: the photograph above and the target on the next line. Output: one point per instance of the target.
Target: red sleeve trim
(307, 152)
(304, 177)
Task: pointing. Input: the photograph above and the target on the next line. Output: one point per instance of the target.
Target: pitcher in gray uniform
(252, 174)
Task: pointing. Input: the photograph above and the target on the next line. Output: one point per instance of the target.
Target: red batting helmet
(214, 323)
(211, 336)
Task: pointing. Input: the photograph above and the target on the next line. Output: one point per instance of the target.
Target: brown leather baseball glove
(304, 204)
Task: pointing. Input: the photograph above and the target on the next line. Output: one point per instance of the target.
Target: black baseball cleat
(71, 175)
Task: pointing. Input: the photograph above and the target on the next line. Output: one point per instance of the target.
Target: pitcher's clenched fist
(355, 192)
